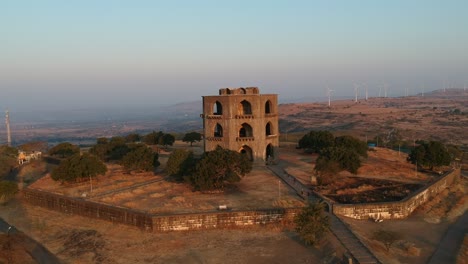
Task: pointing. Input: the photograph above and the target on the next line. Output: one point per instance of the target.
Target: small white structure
(24, 157)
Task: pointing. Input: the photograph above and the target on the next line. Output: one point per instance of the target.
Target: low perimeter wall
(227, 219)
(158, 223)
(400, 209)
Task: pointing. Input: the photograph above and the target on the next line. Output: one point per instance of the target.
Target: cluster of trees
(132, 156)
(78, 167)
(212, 171)
(64, 150)
(433, 154)
(335, 153)
(8, 156)
(159, 138)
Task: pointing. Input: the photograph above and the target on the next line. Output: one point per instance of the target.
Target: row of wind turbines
(383, 87)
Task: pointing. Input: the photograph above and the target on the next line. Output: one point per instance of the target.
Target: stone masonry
(242, 120)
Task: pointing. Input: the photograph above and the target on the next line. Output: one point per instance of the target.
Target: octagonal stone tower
(243, 120)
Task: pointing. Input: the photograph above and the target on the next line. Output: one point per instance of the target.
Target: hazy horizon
(59, 55)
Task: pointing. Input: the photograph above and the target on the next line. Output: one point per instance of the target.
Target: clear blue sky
(83, 53)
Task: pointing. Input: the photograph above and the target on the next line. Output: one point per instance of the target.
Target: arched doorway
(269, 153)
(246, 150)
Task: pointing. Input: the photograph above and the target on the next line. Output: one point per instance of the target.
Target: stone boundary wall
(155, 222)
(226, 219)
(399, 209)
(77, 206)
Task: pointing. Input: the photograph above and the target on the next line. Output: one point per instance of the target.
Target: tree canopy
(335, 153)
(64, 150)
(312, 223)
(218, 167)
(8, 156)
(180, 163)
(8, 189)
(114, 149)
(78, 167)
(315, 141)
(153, 138)
(430, 154)
(192, 137)
(344, 158)
(140, 158)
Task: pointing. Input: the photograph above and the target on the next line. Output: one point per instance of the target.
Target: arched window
(217, 108)
(242, 91)
(268, 107)
(245, 108)
(218, 131)
(245, 131)
(268, 129)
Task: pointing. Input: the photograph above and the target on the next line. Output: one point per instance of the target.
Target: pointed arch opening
(245, 130)
(246, 150)
(268, 129)
(268, 107)
(217, 108)
(269, 152)
(218, 131)
(245, 108)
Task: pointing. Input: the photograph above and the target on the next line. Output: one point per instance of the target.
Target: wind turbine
(356, 91)
(365, 85)
(329, 92)
(385, 89)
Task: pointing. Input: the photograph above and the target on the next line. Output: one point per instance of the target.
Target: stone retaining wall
(400, 209)
(223, 219)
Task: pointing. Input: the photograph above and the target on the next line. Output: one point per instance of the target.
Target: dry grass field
(432, 117)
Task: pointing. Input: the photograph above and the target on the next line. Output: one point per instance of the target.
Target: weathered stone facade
(243, 120)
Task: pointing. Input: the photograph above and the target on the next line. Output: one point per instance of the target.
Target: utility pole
(7, 122)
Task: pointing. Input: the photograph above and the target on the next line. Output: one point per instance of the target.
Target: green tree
(180, 163)
(114, 149)
(153, 137)
(64, 150)
(166, 140)
(8, 159)
(8, 189)
(387, 237)
(352, 143)
(140, 158)
(101, 148)
(218, 167)
(78, 168)
(315, 141)
(430, 154)
(192, 137)
(346, 159)
(312, 223)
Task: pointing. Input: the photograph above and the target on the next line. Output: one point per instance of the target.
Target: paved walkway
(450, 243)
(359, 251)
